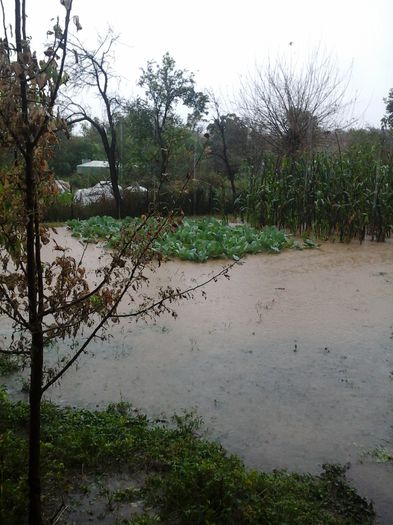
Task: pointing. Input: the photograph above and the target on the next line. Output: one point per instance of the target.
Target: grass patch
(382, 455)
(195, 239)
(186, 479)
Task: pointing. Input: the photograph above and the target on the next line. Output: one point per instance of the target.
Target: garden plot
(289, 363)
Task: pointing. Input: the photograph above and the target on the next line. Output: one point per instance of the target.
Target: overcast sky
(223, 40)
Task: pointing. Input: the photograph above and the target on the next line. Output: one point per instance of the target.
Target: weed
(126, 495)
(8, 365)
(186, 479)
(381, 455)
(144, 519)
(25, 388)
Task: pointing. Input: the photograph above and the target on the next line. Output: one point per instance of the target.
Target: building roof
(94, 164)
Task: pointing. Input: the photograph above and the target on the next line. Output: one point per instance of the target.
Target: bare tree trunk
(113, 163)
(33, 291)
(37, 346)
(231, 177)
(164, 161)
(35, 513)
(219, 123)
(110, 152)
(93, 69)
(115, 187)
(228, 167)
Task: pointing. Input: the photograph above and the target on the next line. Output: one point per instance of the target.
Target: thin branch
(111, 314)
(178, 295)
(114, 263)
(15, 316)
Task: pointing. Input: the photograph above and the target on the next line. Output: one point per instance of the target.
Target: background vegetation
(343, 190)
(286, 159)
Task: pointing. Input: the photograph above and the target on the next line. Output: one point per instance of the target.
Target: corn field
(345, 196)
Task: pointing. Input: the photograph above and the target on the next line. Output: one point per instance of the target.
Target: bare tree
(228, 141)
(92, 72)
(294, 107)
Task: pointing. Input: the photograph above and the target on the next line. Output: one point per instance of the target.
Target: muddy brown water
(289, 363)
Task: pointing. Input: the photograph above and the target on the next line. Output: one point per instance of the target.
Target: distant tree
(377, 143)
(361, 138)
(165, 89)
(228, 141)
(72, 149)
(387, 120)
(92, 71)
(293, 108)
(140, 152)
(141, 155)
(302, 133)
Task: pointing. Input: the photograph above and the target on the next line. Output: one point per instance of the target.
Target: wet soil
(289, 363)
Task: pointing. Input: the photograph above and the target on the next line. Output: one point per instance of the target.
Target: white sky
(220, 40)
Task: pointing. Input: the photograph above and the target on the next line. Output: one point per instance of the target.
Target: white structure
(102, 190)
(136, 188)
(62, 186)
(93, 167)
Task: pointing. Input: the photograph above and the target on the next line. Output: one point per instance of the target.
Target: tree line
(284, 115)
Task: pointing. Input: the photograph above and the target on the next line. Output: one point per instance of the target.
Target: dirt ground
(289, 363)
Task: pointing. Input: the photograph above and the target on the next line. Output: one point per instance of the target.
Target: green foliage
(96, 228)
(382, 455)
(200, 240)
(194, 240)
(345, 196)
(64, 199)
(70, 151)
(79, 180)
(189, 480)
(144, 519)
(165, 88)
(387, 120)
(140, 152)
(8, 364)
(207, 486)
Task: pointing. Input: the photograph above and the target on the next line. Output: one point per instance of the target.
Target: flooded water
(289, 363)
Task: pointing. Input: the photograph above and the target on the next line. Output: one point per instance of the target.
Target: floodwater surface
(289, 363)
